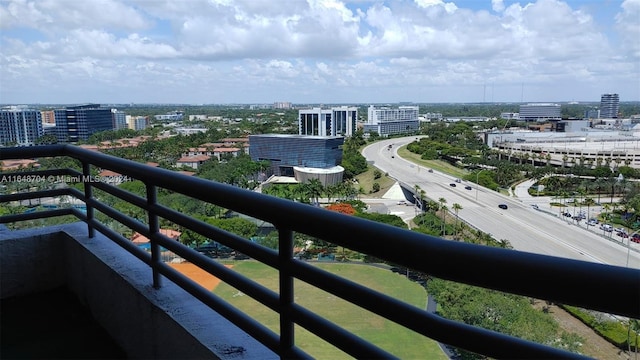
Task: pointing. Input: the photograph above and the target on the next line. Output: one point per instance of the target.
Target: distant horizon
(572, 102)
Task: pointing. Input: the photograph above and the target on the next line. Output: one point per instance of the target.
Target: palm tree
(456, 207)
(606, 208)
(443, 209)
(314, 189)
(589, 202)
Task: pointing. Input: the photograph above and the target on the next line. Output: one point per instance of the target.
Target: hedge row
(614, 332)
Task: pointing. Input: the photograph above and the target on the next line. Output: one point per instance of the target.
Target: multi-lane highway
(525, 228)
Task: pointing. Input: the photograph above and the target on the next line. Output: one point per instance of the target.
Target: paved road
(527, 229)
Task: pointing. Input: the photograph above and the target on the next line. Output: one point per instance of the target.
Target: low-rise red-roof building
(138, 238)
(16, 164)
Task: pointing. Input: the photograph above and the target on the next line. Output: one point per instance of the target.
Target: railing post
(285, 255)
(88, 195)
(154, 228)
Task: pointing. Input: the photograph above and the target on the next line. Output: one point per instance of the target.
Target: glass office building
(285, 152)
(76, 123)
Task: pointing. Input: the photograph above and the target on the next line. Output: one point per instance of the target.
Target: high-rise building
(139, 123)
(609, 106)
(387, 121)
(337, 121)
(76, 123)
(119, 119)
(540, 112)
(20, 126)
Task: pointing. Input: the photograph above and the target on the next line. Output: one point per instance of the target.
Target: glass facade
(286, 151)
(77, 123)
(609, 106)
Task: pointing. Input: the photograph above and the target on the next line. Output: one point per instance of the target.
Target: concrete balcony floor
(52, 324)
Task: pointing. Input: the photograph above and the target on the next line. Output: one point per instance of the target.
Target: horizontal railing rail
(543, 277)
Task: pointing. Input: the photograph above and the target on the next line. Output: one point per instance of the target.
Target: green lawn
(438, 165)
(384, 333)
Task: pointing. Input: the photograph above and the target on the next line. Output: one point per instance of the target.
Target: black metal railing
(555, 279)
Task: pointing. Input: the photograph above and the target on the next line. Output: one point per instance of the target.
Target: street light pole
(477, 183)
(629, 245)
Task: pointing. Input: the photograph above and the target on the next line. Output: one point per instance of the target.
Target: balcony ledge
(117, 288)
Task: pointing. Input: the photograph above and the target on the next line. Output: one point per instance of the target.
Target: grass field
(366, 180)
(384, 333)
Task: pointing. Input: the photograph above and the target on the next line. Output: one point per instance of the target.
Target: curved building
(327, 176)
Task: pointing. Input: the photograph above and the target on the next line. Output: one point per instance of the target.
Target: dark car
(503, 206)
(468, 187)
(452, 185)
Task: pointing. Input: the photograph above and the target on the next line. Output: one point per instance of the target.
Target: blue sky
(317, 51)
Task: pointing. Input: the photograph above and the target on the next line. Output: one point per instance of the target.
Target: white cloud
(247, 50)
(628, 25)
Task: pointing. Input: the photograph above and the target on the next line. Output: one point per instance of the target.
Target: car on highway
(452, 185)
(503, 206)
(467, 187)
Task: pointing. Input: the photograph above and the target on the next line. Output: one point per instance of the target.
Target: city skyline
(318, 51)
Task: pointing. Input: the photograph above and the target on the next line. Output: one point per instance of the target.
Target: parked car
(635, 238)
(593, 222)
(622, 234)
(503, 206)
(606, 227)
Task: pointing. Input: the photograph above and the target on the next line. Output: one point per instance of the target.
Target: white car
(606, 227)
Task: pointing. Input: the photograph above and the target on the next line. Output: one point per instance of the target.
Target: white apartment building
(387, 121)
(20, 126)
(540, 112)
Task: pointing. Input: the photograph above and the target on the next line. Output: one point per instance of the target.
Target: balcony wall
(116, 287)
